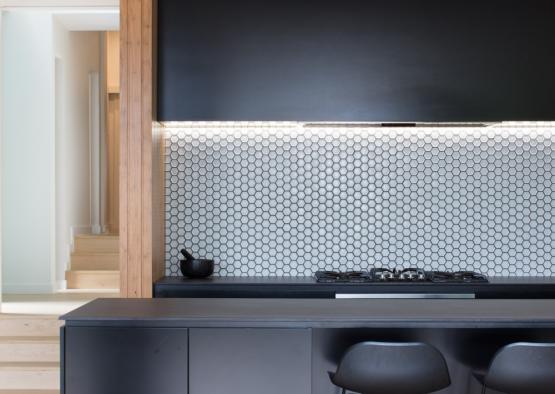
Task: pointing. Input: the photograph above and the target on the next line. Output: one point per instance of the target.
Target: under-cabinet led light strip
(443, 133)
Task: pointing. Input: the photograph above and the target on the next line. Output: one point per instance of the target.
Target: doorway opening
(60, 149)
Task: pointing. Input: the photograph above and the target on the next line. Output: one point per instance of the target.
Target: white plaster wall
(45, 161)
(28, 224)
(1, 123)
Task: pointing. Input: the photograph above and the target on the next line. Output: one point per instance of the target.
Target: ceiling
(89, 20)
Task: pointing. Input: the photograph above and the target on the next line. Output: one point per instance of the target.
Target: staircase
(94, 263)
(29, 354)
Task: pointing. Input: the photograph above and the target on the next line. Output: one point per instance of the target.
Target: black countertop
(306, 287)
(314, 313)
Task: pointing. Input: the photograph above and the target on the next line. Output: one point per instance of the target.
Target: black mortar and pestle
(195, 268)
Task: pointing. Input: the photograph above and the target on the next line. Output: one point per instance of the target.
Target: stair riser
(29, 327)
(92, 280)
(31, 379)
(97, 244)
(94, 262)
(29, 352)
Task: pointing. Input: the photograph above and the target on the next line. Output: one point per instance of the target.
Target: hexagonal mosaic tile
(282, 199)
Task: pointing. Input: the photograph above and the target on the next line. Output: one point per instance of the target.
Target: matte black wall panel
(356, 60)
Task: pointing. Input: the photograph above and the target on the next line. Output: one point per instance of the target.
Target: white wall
(79, 54)
(59, 3)
(45, 160)
(28, 152)
(1, 123)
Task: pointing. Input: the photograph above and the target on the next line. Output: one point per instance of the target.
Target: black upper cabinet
(356, 60)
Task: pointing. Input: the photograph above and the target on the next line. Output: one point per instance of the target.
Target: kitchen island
(273, 346)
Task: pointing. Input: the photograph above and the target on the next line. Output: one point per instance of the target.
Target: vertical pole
(94, 136)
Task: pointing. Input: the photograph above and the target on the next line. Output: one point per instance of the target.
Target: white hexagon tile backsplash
(278, 199)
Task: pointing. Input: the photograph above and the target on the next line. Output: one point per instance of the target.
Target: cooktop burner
(343, 277)
(403, 275)
(406, 275)
(457, 277)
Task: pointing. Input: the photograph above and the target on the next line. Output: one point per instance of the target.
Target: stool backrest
(523, 368)
(396, 368)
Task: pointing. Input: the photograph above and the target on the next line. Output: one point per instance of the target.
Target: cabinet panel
(125, 360)
(250, 361)
(355, 61)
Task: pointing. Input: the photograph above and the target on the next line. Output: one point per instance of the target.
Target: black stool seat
(522, 368)
(392, 368)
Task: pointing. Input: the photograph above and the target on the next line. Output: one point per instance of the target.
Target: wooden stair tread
(29, 354)
(29, 326)
(29, 391)
(101, 236)
(29, 339)
(100, 253)
(91, 243)
(91, 270)
(18, 316)
(92, 279)
(94, 261)
(29, 376)
(29, 349)
(29, 365)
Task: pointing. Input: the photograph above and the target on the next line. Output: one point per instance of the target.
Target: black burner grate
(407, 275)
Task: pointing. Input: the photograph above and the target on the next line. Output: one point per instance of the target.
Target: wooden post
(140, 148)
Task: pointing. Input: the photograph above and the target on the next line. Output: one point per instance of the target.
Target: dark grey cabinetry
(250, 361)
(101, 360)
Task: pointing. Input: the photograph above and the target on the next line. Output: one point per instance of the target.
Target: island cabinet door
(249, 361)
(125, 360)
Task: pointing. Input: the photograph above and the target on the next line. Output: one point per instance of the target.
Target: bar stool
(391, 368)
(521, 368)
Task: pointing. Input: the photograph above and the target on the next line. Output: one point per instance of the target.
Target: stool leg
(484, 389)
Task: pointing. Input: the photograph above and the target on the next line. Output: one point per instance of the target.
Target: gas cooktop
(406, 275)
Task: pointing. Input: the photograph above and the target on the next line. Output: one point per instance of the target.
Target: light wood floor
(50, 304)
(29, 339)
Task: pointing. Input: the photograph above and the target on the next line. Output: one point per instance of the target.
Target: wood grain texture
(92, 279)
(135, 159)
(17, 325)
(24, 376)
(146, 144)
(94, 261)
(92, 243)
(123, 148)
(136, 150)
(112, 100)
(113, 152)
(112, 61)
(25, 349)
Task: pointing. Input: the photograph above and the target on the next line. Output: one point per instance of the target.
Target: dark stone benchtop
(314, 313)
(306, 287)
(304, 280)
